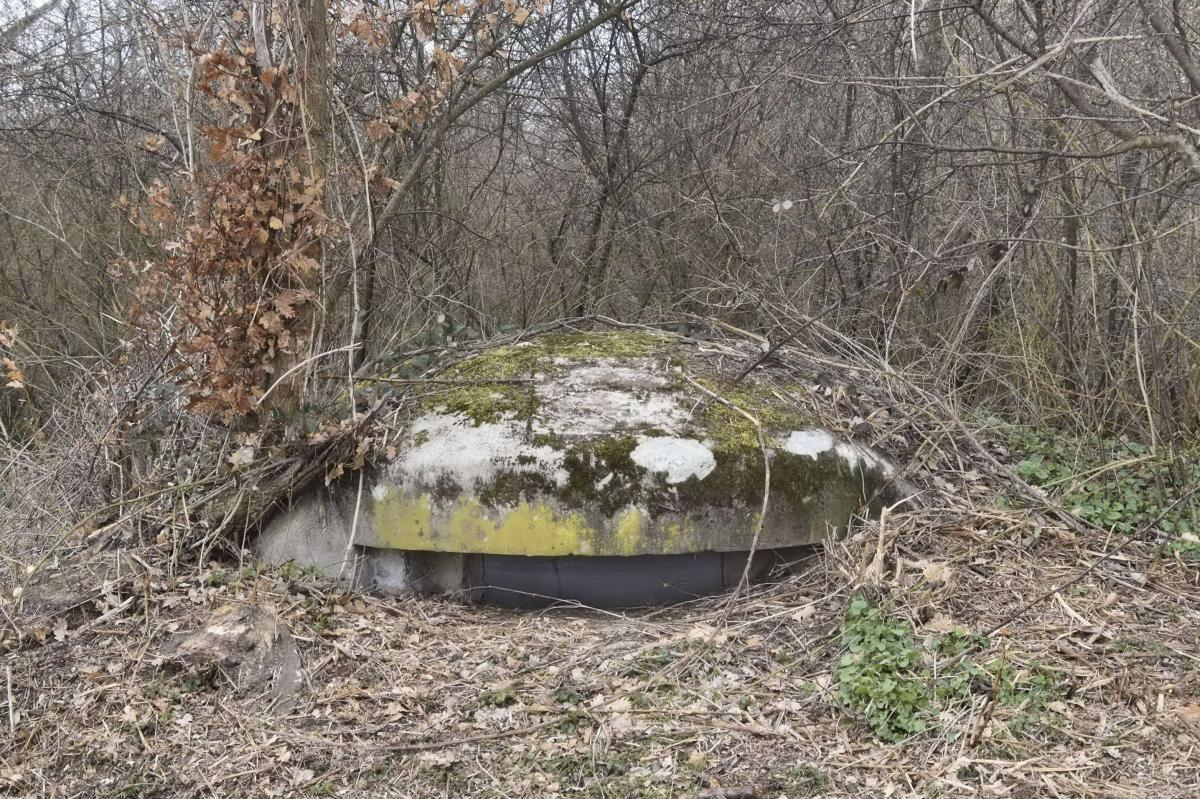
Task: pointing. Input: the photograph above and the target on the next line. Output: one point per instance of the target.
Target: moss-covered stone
(734, 434)
(598, 474)
(610, 442)
(483, 403)
(602, 474)
(515, 487)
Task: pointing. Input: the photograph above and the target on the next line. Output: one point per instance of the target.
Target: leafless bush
(999, 194)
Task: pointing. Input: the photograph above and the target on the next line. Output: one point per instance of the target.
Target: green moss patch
(483, 403)
(600, 475)
(730, 431)
(511, 488)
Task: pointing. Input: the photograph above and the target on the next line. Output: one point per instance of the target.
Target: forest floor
(983, 642)
(1093, 691)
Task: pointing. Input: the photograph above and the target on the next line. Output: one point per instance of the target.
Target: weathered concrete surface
(585, 445)
(613, 456)
(314, 533)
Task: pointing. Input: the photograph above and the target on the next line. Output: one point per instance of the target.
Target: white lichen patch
(608, 397)
(677, 458)
(816, 442)
(473, 455)
(379, 492)
(859, 457)
(809, 443)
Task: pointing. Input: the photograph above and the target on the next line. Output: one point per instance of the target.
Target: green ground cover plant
(900, 686)
(1113, 483)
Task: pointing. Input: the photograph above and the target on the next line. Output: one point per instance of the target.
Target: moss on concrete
(730, 431)
(539, 526)
(513, 487)
(411, 517)
(602, 474)
(446, 488)
(483, 403)
(530, 527)
(630, 526)
(607, 504)
(738, 478)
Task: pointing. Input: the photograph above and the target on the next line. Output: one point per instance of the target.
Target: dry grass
(428, 698)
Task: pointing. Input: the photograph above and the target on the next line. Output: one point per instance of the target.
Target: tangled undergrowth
(1114, 483)
(978, 643)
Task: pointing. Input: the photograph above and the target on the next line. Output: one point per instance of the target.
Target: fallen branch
(470, 739)
(396, 381)
(734, 792)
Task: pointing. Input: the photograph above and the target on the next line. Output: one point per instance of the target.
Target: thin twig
(349, 552)
(12, 715)
(766, 492)
(470, 739)
(419, 381)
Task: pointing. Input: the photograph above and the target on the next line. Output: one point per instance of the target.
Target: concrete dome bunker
(586, 467)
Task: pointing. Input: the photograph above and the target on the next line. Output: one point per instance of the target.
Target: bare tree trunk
(311, 72)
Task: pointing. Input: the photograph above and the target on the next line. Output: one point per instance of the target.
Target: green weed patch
(899, 686)
(1114, 484)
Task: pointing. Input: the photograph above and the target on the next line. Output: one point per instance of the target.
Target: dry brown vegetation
(427, 698)
(1002, 192)
(216, 218)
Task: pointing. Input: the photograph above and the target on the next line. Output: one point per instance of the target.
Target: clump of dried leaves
(246, 264)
